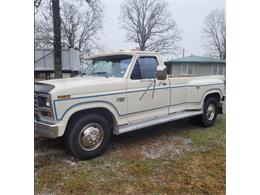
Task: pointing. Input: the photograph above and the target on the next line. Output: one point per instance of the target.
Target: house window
(187, 69)
(221, 70)
(215, 69)
(218, 69)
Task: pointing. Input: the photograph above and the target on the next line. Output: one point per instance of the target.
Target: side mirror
(161, 73)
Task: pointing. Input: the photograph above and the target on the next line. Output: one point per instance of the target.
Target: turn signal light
(62, 97)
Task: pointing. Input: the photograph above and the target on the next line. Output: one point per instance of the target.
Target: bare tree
(150, 25)
(80, 28)
(37, 4)
(44, 35)
(214, 32)
(81, 20)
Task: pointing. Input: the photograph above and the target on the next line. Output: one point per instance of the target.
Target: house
(196, 66)
(44, 63)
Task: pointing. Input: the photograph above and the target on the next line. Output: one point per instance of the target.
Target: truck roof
(122, 52)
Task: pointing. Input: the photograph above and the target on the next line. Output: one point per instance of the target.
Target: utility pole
(57, 38)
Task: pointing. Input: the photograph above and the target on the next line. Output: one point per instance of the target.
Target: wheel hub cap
(211, 111)
(91, 136)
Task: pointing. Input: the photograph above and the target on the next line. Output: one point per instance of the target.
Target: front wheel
(209, 116)
(88, 136)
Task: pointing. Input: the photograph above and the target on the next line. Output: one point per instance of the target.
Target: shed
(196, 66)
(44, 63)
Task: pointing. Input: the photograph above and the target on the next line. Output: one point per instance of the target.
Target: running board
(170, 117)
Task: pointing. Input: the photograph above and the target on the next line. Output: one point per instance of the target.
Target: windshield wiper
(101, 73)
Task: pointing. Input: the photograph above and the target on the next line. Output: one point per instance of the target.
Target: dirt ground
(173, 158)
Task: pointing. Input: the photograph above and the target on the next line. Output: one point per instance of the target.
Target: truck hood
(79, 85)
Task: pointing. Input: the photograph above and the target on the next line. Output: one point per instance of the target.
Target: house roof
(197, 59)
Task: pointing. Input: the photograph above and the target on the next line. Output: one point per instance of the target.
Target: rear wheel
(88, 136)
(209, 116)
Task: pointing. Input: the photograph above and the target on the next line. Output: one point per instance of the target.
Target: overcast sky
(188, 14)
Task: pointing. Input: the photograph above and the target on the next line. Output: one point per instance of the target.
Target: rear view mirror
(161, 73)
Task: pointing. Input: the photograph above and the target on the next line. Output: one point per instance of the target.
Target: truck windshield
(109, 66)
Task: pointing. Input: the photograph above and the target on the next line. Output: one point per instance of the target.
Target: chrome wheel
(211, 111)
(91, 136)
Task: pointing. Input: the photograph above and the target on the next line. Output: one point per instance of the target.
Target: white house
(196, 66)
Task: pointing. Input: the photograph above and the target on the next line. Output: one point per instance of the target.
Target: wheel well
(214, 95)
(100, 111)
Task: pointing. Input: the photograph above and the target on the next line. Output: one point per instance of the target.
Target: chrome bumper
(46, 130)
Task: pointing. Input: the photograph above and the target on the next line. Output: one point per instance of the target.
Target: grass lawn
(174, 158)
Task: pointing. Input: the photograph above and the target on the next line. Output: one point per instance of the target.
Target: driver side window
(145, 68)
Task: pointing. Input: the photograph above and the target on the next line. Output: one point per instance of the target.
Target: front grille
(36, 108)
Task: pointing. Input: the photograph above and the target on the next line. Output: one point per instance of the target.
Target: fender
(210, 92)
(120, 120)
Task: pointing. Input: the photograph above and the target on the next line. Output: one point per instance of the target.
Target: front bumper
(46, 129)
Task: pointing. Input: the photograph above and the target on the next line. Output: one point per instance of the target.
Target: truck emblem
(121, 99)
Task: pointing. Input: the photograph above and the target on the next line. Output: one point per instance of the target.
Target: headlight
(48, 103)
(44, 105)
(44, 101)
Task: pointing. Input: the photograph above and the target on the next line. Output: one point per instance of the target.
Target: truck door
(146, 99)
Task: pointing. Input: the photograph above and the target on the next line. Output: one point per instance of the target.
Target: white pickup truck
(121, 92)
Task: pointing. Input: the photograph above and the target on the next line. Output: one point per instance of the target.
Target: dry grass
(183, 159)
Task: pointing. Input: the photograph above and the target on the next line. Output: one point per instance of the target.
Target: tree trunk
(57, 38)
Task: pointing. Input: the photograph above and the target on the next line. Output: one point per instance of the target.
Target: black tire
(76, 131)
(205, 119)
